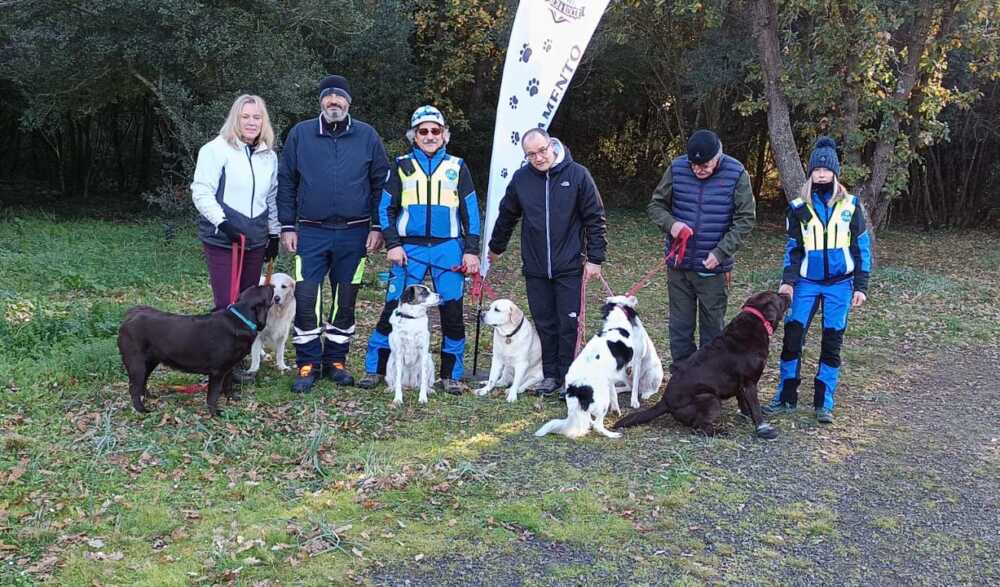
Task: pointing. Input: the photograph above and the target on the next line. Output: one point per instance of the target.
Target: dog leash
(236, 269)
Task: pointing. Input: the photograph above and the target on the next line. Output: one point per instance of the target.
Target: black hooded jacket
(563, 218)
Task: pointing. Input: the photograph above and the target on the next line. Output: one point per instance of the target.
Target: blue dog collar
(236, 312)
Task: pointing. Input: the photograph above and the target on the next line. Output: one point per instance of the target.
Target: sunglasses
(426, 131)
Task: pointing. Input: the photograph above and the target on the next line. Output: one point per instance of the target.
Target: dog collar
(515, 331)
(763, 320)
(235, 312)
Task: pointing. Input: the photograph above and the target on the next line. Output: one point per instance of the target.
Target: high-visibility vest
(832, 237)
(437, 194)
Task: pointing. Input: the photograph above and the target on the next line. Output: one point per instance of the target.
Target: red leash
(235, 274)
(236, 269)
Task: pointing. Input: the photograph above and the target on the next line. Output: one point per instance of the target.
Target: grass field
(339, 487)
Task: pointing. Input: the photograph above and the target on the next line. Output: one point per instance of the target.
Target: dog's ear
(408, 294)
(631, 313)
(261, 303)
(516, 315)
(606, 309)
(621, 352)
(787, 298)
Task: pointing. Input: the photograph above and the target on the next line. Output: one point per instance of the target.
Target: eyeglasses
(426, 131)
(539, 153)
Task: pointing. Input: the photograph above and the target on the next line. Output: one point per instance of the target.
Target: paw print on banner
(503, 173)
(515, 137)
(525, 52)
(513, 102)
(547, 46)
(532, 88)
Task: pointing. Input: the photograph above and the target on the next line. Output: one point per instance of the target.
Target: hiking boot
(307, 376)
(546, 387)
(338, 374)
(370, 381)
(452, 386)
(773, 409)
(824, 416)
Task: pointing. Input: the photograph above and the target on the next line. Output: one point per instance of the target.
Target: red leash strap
(236, 269)
(270, 270)
(644, 281)
(679, 246)
(607, 288)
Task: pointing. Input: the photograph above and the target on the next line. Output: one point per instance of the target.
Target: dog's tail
(575, 424)
(642, 416)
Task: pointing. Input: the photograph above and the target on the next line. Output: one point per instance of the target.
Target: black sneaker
(546, 387)
(452, 386)
(338, 374)
(307, 376)
(370, 381)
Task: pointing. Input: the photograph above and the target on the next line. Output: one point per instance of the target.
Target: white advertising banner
(545, 49)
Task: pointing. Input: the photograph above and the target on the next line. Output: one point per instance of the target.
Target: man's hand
(710, 262)
(470, 263)
(493, 257)
(397, 256)
(786, 288)
(291, 241)
(591, 270)
(677, 228)
(375, 241)
(858, 299)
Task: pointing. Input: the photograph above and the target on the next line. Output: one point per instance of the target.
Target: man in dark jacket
(562, 241)
(705, 198)
(332, 171)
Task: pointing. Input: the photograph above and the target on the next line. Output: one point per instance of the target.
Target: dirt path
(901, 489)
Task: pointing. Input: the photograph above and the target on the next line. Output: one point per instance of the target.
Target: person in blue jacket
(332, 171)
(563, 242)
(429, 215)
(828, 260)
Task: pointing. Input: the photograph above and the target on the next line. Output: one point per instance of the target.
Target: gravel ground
(901, 489)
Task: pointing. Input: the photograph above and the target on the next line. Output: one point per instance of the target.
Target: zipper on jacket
(548, 239)
(253, 180)
(697, 218)
(428, 194)
(826, 243)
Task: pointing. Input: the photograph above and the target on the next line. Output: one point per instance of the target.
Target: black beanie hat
(824, 155)
(335, 84)
(703, 146)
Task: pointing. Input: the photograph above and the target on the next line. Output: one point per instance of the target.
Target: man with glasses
(704, 196)
(429, 215)
(562, 242)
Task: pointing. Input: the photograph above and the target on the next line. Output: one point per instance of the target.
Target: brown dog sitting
(210, 344)
(730, 365)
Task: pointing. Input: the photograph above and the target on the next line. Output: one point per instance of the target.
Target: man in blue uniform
(430, 219)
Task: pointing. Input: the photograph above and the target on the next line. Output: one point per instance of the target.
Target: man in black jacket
(562, 241)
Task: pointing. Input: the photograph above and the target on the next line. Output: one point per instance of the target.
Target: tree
(883, 101)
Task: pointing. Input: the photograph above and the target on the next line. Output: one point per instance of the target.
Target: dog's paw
(481, 391)
(635, 404)
(767, 432)
(611, 434)
(511, 398)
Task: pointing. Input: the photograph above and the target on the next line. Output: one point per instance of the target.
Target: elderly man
(332, 170)
(430, 219)
(562, 240)
(704, 195)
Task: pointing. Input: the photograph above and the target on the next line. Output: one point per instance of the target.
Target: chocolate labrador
(730, 365)
(210, 344)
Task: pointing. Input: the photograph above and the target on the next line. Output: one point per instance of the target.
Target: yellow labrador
(517, 351)
(279, 321)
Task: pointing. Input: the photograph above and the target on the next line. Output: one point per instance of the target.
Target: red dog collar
(756, 312)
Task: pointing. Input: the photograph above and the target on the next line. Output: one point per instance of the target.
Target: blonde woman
(234, 188)
(828, 262)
